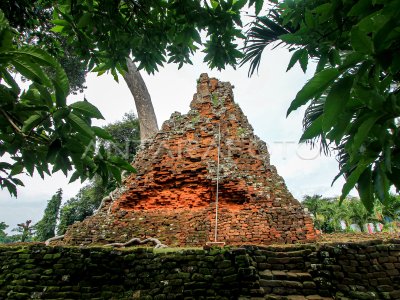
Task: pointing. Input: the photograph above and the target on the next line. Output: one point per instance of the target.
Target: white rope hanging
(217, 192)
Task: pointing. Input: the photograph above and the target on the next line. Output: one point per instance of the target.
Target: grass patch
(175, 249)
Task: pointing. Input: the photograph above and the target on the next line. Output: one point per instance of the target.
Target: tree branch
(13, 125)
(134, 241)
(54, 238)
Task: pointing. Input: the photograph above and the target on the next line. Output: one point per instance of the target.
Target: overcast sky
(264, 98)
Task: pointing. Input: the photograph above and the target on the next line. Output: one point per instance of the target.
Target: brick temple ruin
(172, 196)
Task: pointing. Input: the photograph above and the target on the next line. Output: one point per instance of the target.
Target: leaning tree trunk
(144, 106)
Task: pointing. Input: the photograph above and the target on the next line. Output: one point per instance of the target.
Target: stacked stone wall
(365, 270)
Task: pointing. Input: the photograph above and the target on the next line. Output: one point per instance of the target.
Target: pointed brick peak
(211, 91)
(172, 196)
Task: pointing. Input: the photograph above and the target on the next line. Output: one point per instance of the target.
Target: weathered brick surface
(172, 196)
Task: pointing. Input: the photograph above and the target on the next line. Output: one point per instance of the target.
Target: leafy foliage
(390, 209)
(324, 212)
(152, 31)
(25, 230)
(328, 213)
(3, 234)
(126, 140)
(265, 30)
(353, 98)
(125, 137)
(84, 204)
(46, 227)
(37, 127)
(24, 233)
(32, 19)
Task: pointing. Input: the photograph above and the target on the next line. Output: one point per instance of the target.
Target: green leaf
(363, 132)
(31, 122)
(291, 38)
(10, 81)
(62, 163)
(116, 172)
(352, 179)
(17, 168)
(57, 29)
(351, 60)
(304, 60)
(394, 177)
(214, 4)
(359, 8)
(31, 71)
(36, 54)
(313, 88)
(45, 95)
(314, 130)
(370, 97)
(334, 57)
(119, 162)
(295, 57)
(7, 96)
(12, 189)
(321, 63)
(361, 42)
(84, 20)
(17, 181)
(100, 132)
(40, 171)
(60, 22)
(336, 101)
(87, 109)
(80, 125)
(325, 11)
(114, 74)
(61, 113)
(4, 165)
(338, 131)
(387, 154)
(53, 149)
(365, 189)
(29, 162)
(395, 66)
(239, 4)
(381, 183)
(76, 175)
(101, 68)
(31, 96)
(259, 5)
(196, 36)
(309, 19)
(78, 160)
(60, 82)
(61, 97)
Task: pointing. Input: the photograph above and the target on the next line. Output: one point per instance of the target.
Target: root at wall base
(214, 244)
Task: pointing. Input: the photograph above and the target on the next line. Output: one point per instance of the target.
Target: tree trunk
(144, 106)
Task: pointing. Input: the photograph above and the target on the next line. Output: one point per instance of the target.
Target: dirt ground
(357, 236)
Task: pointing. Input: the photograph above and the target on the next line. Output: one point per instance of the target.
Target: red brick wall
(172, 196)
